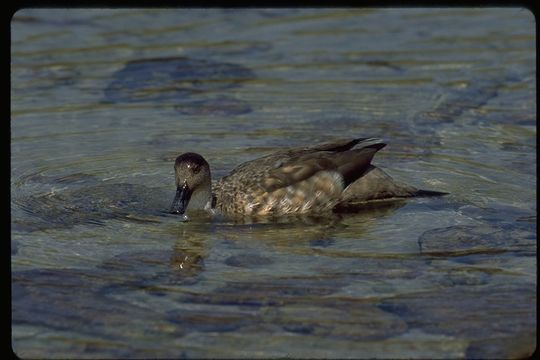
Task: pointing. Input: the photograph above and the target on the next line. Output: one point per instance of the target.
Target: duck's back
(296, 180)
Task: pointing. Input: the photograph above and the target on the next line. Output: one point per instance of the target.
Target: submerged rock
(83, 301)
(175, 78)
(490, 317)
(248, 260)
(220, 106)
(464, 240)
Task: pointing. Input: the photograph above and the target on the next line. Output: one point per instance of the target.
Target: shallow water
(102, 101)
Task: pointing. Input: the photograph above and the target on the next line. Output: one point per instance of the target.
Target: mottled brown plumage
(301, 180)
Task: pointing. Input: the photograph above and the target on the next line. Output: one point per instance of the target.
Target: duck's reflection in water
(191, 246)
(302, 231)
(231, 251)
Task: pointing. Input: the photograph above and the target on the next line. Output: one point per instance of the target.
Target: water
(102, 101)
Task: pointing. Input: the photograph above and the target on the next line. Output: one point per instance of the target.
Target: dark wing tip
(430, 193)
(378, 146)
(371, 142)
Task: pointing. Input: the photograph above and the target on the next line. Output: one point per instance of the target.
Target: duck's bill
(181, 200)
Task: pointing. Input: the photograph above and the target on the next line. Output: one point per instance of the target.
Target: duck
(312, 180)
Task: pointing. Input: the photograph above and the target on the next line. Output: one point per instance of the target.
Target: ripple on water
(91, 205)
(356, 287)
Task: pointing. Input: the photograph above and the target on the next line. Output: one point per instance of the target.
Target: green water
(102, 101)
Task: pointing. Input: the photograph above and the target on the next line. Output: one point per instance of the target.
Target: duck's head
(193, 183)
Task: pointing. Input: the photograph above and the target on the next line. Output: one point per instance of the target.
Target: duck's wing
(347, 158)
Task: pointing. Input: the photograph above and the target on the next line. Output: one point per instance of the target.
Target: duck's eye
(194, 168)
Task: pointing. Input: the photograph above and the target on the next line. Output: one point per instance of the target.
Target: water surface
(102, 101)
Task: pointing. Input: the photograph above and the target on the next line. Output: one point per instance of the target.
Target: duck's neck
(201, 199)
